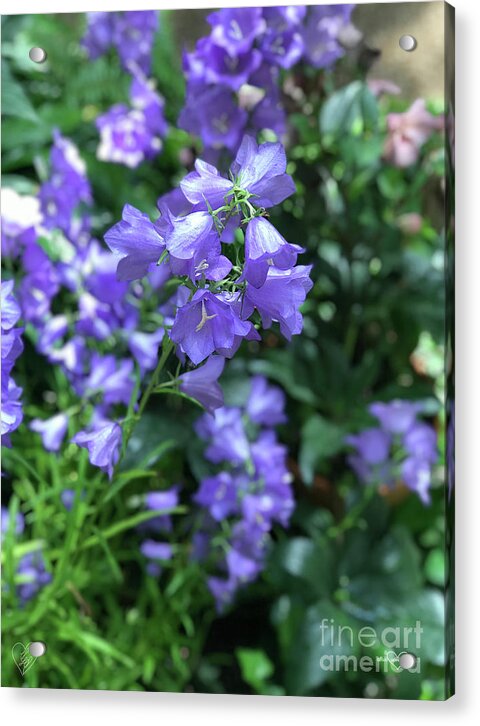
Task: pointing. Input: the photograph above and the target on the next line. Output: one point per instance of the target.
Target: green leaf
(304, 670)
(302, 558)
(435, 567)
(320, 439)
(15, 102)
(256, 668)
(130, 523)
(351, 109)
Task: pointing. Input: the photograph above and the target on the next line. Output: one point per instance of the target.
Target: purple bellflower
(12, 347)
(403, 448)
(249, 493)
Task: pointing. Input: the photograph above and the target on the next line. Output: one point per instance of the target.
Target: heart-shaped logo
(394, 660)
(22, 657)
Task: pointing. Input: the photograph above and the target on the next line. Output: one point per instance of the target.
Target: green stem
(167, 348)
(351, 518)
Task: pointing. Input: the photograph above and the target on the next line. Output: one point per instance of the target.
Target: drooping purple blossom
(206, 325)
(280, 297)
(266, 403)
(131, 134)
(131, 33)
(156, 553)
(212, 113)
(66, 190)
(34, 575)
(322, 32)
(39, 285)
(202, 383)
(397, 416)
(137, 242)
(229, 68)
(52, 430)
(264, 247)
(110, 377)
(103, 444)
(144, 348)
(12, 347)
(403, 448)
(19, 522)
(192, 239)
(156, 550)
(236, 28)
(225, 432)
(248, 495)
(218, 495)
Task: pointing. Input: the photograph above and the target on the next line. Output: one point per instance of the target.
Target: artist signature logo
(22, 657)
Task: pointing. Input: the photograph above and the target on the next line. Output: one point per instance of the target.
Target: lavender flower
(144, 348)
(280, 298)
(404, 447)
(218, 494)
(266, 403)
(248, 495)
(110, 377)
(137, 242)
(156, 552)
(131, 33)
(12, 347)
(52, 430)
(322, 33)
(226, 435)
(194, 236)
(236, 29)
(68, 498)
(207, 325)
(202, 383)
(233, 79)
(129, 135)
(397, 417)
(103, 445)
(19, 524)
(34, 575)
(265, 246)
(66, 190)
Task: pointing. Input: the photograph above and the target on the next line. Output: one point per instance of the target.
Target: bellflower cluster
(12, 346)
(66, 189)
(31, 572)
(402, 447)
(105, 313)
(213, 233)
(233, 75)
(131, 33)
(131, 134)
(248, 493)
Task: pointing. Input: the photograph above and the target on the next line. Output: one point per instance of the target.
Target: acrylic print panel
(227, 386)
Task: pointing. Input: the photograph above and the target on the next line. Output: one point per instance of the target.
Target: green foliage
(373, 330)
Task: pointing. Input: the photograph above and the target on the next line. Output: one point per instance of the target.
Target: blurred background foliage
(374, 330)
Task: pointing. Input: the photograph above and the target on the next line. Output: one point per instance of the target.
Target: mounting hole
(407, 661)
(408, 43)
(37, 55)
(37, 649)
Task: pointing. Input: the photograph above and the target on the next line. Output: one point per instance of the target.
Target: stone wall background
(421, 72)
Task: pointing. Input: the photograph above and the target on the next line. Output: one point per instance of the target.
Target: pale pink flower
(408, 132)
(410, 223)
